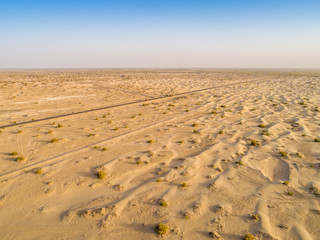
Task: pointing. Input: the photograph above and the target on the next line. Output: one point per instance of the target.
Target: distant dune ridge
(238, 159)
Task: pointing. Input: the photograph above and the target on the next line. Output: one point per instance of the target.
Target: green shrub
(161, 229)
(184, 185)
(248, 237)
(261, 126)
(289, 193)
(195, 125)
(53, 140)
(150, 141)
(104, 149)
(59, 125)
(220, 132)
(101, 174)
(39, 171)
(20, 159)
(254, 143)
(283, 154)
(317, 140)
(14, 154)
(163, 203)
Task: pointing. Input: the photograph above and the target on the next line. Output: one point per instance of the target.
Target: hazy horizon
(159, 34)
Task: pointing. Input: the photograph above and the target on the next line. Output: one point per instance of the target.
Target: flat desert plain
(111, 154)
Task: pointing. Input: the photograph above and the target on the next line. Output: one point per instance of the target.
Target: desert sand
(240, 156)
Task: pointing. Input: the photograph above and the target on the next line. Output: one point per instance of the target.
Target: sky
(159, 34)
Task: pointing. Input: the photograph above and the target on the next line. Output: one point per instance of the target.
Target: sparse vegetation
(39, 171)
(20, 131)
(161, 229)
(184, 185)
(180, 141)
(139, 162)
(195, 125)
(223, 106)
(163, 203)
(286, 183)
(317, 140)
(101, 174)
(261, 126)
(159, 180)
(53, 140)
(14, 154)
(195, 131)
(104, 149)
(59, 125)
(220, 132)
(20, 159)
(254, 143)
(289, 193)
(248, 237)
(239, 162)
(283, 154)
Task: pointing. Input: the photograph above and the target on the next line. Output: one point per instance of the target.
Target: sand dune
(240, 157)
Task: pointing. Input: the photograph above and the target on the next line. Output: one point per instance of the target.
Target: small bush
(238, 162)
(150, 141)
(283, 154)
(19, 131)
(248, 237)
(286, 183)
(20, 159)
(223, 106)
(317, 140)
(195, 131)
(59, 125)
(159, 180)
(39, 171)
(289, 193)
(187, 110)
(139, 162)
(163, 203)
(261, 126)
(104, 149)
(195, 125)
(14, 154)
(53, 140)
(180, 141)
(101, 174)
(254, 143)
(104, 116)
(220, 132)
(184, 185)
(161, 229)
(50, 131)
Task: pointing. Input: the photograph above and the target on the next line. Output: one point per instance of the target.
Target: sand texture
(240, 156)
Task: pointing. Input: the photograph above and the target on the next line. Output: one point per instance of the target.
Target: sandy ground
(239, 158)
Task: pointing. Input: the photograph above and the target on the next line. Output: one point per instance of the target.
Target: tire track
(128, 103)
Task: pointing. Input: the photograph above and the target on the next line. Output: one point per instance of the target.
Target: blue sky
(159, 33)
